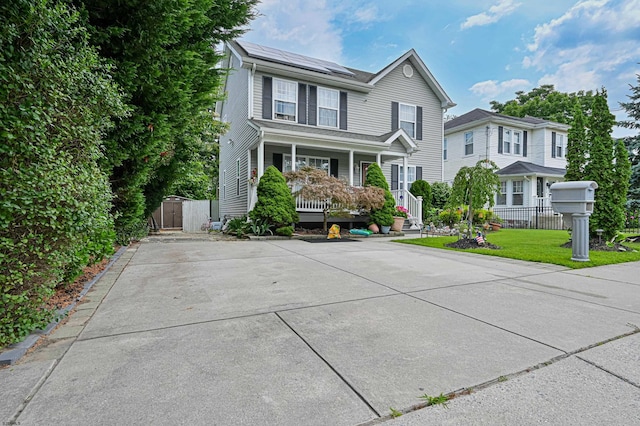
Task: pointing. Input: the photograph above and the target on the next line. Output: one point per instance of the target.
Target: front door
(364, 165)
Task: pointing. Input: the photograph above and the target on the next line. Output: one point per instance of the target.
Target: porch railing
(406, 199)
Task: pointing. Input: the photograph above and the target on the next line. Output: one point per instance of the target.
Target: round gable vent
(407, 70)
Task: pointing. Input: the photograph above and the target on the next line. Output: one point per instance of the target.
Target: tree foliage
(338, 198)
(165, 62)
(633, 142)
(604, 162)
(382, 216)
(421, 188)
(276, 205)
(577, 146)
(56, 101)
(440, 193)
(545, 102)
(475, 187)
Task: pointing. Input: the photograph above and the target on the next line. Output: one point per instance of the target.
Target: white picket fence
(194, 214)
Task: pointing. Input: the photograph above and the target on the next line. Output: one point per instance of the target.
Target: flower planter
(374, 228)
(398, 222)
(384, 229)
(495, 226)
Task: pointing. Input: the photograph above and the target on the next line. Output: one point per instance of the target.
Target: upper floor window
(444, 149)
(559, 146)
(408, 119)
(507, 141)
(501, 198)
(285, 99)
(517, 144)
(468, 143)
(517, 193)
(328, 106)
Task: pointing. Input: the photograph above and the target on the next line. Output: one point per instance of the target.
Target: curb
(17, 350)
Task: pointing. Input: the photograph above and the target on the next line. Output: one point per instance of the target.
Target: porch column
(260, 158)
(248, 177)
(405, 184)
(351, 168)
(293, 157)
(379, 159)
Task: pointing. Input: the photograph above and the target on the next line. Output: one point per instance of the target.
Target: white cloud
(367, 14)
(494, 14)
(298, 26)
(492, 89)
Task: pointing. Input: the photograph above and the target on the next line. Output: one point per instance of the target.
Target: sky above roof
(478, 50)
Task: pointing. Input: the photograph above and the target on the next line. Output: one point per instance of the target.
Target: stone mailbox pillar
(577, 199)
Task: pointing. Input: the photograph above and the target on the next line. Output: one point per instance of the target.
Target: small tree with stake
(337, 197)
(475, 187)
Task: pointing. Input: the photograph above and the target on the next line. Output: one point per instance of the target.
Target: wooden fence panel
(194, 214)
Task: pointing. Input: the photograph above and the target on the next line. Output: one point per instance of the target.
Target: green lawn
(535, 246)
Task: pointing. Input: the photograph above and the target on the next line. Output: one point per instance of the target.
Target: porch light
(599, 232)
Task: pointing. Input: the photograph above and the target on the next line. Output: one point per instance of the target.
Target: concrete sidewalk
(288, 332)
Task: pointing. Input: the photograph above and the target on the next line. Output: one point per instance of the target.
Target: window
(559, 145)
(408, 119)
(516, 143)
(444, 149)
(506, 142)
(224, 184)
(410, 178)
(502, 196)
(301, 161)
(517, 195)
(328, 106)
(238, 177)
(284, 99)
(468, 143)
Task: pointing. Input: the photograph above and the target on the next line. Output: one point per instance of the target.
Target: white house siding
(235, 112)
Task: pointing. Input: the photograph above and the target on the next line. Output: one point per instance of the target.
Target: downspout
(250, 91)
(444, 110)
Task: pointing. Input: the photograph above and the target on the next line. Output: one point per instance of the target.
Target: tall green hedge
(56, 100)
(382, 216)
(276, 205)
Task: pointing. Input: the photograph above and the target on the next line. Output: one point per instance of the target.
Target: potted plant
(399, 217)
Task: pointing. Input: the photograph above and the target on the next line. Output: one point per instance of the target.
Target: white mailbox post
(576, 199)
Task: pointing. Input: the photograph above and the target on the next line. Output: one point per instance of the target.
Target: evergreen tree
(276, 205)
(608, 212)
(633, 142)
(165, 62)
(423, 189)
(440, 193)
(382, 216)
(577, 147)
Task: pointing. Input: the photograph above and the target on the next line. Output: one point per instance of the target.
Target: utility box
(576, 199)
(573, 197)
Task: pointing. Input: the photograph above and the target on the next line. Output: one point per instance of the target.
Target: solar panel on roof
(293, 59)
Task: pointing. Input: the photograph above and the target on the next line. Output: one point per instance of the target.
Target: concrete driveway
(289, 332)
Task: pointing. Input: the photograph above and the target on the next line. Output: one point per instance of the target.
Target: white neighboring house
(530, 152)
(290, 110)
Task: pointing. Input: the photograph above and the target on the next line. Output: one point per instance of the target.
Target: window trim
(506, 141)
(502, 196)
(517, 147)
(224, 184)
(444, 149)
(560, 145)
(319, 107)
(415, 118)
(307, 161)
(401, 177)
(514, 193)
(238, 177)
(274, 96)
(467, 144)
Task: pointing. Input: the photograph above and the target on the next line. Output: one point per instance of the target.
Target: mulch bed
(466, 243)
(602, 245)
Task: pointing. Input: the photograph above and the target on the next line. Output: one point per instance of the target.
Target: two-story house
(530, 152)
(290, 110)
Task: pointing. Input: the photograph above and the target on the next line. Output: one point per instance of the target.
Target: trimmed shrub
(384, 215)
(285, 231)
(450, 217)
(421, 188)
(440, 193)
(276, 205)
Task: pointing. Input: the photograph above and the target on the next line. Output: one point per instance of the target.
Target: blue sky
(479, 50)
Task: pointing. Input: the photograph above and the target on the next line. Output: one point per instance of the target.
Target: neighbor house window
(468, 143)
(224, 184)
(559, 145)
(444, 149)
(408, 119)
(328, 106)
(507, 142)
(411, 177)
(517, 193)
(502, 196)
(516, 143)
(238, 177)
(302, 161)
(284, 99)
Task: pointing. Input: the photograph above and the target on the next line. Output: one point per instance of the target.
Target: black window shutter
(313, 106)
(419, 123)
(302, 103)
(500, 136)
(553, 144)
(277, 161)
(418, 173)
(267, 103)
(394, 176)
(524, 143)
(333, 167)
(343, 110)
(395, 124)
